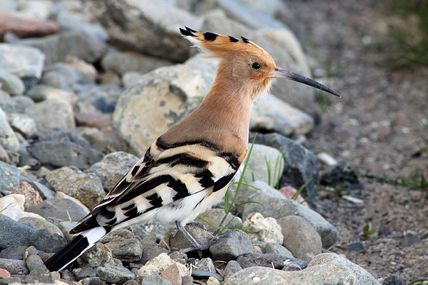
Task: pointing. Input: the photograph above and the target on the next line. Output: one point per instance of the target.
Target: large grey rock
(43, 240)
(271, 114)
(69, 43)
(24, 62)
(52, 115)
(284, 48)
(77, 22)
(86, 187)
(13, 252)
(11, 83)
(147, 26)
(301, 165)
(123, 62)
(64, 149)
(113, 167)
(230, 245)
(271, 203)
(148, 109)
(41, 224)
(266, 7)
(300, 237)
(8, 139)
(62, 207)
(10, 177)
(326, 268)
(13, 233)
(271, 260)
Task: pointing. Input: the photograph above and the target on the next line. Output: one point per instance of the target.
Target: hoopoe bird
(188, 169)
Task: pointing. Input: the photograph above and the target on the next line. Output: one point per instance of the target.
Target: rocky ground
(86, 86)
(379, 126)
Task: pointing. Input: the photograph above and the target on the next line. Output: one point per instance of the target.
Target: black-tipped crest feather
(210, 36)
(233, 39)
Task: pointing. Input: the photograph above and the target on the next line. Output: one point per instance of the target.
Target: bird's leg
(188, 236)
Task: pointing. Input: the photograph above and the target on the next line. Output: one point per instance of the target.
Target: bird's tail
(75, 248)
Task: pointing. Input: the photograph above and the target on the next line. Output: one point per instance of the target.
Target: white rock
(212, 281)
(21, 60)
(353, 199)
(23, 124)
(326, 159)
(12, 206)
(263, 229)
(155, 265)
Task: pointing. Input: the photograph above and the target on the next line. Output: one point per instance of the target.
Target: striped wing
(166, 175)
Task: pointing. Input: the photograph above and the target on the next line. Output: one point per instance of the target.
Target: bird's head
(246, 63)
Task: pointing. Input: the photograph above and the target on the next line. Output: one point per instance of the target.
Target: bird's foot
(192, 240)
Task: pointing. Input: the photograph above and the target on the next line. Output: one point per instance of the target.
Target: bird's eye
(256, 65)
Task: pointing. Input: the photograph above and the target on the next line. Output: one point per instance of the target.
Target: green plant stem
(238, 187)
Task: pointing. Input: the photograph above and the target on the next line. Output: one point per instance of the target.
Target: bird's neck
(227, 107)
(222, 118)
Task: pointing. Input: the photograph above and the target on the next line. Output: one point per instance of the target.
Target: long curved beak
(282, 73)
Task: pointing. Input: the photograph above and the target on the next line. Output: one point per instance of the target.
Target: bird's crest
(222, 45)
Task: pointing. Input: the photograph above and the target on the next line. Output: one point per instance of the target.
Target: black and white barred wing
(167, 183)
